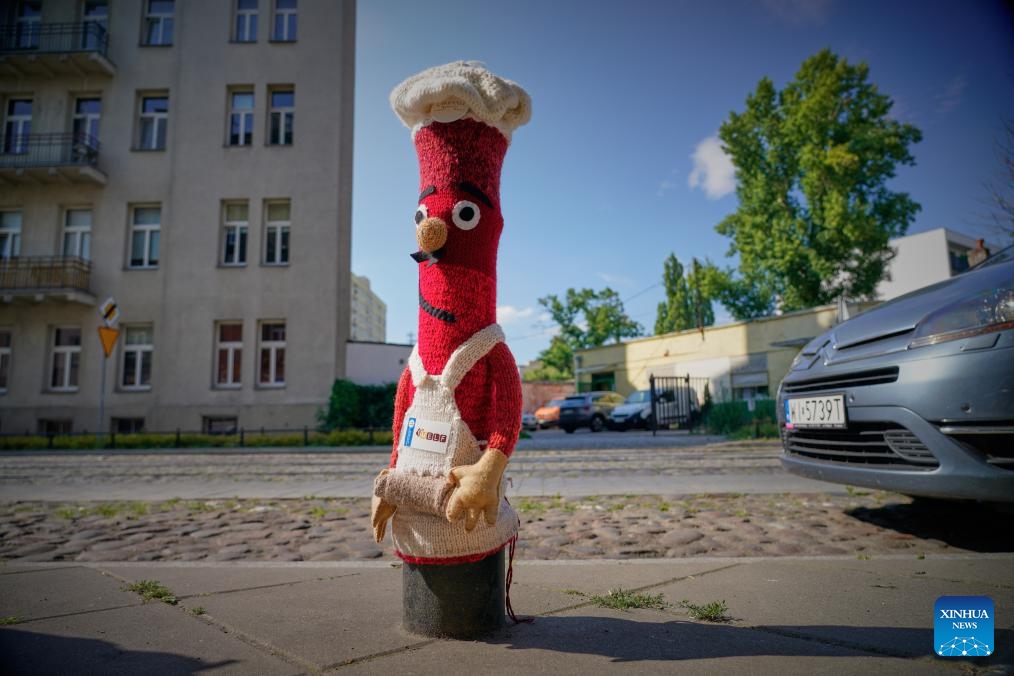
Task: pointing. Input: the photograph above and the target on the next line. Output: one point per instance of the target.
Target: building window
(29, 18)
(128, 425)
(138, 348)
(145, 231)
(219, 424)
(17, 125)
(241, 112)
(276, 233)
(5, 359)
(87, 113)
(228, 354)
(158, 22)
(54, 427)
(234, 233)
(10, 234)
(66, 359)
(285, 21)
(95, 17)
(153, 120)
(77, 233)
(272, 354)
(280, 116)
(246, 21)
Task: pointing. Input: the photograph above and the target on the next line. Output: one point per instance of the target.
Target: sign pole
(102, 400)
(108, 334)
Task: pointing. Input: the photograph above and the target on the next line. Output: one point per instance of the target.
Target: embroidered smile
(442, 315)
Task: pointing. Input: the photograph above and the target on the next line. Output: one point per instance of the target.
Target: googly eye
(465, 215)
(420, 214)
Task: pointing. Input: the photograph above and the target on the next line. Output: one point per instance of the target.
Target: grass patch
(708, 612)
(9, 620)
(530, 505)
(622, 599)
(853, 492)
(863, 556)
(153, 589)
(317, 512)
(196, 610)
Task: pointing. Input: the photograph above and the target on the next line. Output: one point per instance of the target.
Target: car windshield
(555, 402)
(639, 397)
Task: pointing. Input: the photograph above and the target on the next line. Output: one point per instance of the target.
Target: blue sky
(620, 165)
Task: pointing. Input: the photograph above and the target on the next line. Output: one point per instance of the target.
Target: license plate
(815, 412)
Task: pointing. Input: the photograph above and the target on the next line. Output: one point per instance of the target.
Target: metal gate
(676, 400)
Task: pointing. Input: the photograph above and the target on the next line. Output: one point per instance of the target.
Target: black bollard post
(461, 601)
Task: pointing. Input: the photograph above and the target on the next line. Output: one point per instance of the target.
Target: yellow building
(742, 360)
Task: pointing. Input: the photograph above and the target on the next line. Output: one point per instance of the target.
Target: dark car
(914, 396)
(590, 409)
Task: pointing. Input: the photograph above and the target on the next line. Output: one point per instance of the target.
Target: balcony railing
(55, 49)
(54, 38)
(48, 150)
(41, 274)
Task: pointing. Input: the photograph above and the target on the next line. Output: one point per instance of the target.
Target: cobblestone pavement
(864, 524)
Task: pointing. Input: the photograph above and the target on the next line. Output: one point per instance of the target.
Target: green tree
(812, 162)
(687, 305)
(586, 319)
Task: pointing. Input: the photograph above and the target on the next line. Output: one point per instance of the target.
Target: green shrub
(735, 418)
(352, 405)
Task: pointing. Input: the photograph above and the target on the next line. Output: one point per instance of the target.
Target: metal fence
(19, 151)
(44, 272)
(42, 38)
(676, 400)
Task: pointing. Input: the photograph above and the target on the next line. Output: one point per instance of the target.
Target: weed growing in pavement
(196, 610)
(863, 556)
(921, 557)
(105, 509)
(153, 589)
(317, 512)
(664, 506)
(530, 505)
(9, 620)
(169, 505)
(709, 612)
(573, 592)
(851, 490)
(741, 513)
(622, 599)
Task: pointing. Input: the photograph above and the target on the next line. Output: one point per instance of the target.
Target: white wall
(375, 363)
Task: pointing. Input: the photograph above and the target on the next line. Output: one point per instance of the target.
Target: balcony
(38, 278)
(50, 159)
(54, 50)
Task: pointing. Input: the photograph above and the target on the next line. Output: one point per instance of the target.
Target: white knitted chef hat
(461, 89)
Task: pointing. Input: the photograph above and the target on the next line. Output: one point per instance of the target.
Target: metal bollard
(461, 601)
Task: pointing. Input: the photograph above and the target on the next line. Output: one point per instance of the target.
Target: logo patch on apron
(426, 435)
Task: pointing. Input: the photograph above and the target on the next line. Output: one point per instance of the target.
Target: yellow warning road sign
(108, 337)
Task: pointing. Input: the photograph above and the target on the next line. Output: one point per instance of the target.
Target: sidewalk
(789, 616)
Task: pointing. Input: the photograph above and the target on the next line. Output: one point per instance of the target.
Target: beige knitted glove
(477, 489)
(380, 512)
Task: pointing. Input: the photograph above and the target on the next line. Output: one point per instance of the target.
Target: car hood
(901, 315)
(629, 409)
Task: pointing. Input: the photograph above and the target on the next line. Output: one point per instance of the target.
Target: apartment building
(192, 161)
(369, 313)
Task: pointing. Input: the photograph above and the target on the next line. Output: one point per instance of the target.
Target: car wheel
(568, 430)
(597, 423)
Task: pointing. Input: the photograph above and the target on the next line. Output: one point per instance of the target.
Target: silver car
(914, 396)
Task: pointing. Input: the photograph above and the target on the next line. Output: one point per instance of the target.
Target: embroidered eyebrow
(474, 190)
(427, 192)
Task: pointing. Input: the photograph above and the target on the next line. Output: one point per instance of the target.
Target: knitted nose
(431, 234)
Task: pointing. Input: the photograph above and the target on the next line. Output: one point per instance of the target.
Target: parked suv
(590, 409)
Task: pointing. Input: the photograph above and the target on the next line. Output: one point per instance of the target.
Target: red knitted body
(463, 282)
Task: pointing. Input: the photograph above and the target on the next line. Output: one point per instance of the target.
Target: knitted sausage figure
(458, 405)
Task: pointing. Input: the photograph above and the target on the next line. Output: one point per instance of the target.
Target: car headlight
(985, 312)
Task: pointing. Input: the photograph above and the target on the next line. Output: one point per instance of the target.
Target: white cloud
(798, 13)
(950, 98)
(713, 171)
(508, 314)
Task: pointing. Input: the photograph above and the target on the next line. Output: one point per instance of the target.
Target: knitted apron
(434, 438)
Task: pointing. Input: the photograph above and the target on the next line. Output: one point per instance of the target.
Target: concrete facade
(923, 259)
(741, 360)
(368, 314)
(181, 301)
(376, 363)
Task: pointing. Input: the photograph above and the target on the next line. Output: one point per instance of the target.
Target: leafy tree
(686, 305)
(586, 319)
(812, 162)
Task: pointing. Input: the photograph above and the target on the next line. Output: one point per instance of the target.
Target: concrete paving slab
(193, 579)
(36, 593)
(598, 641)
(322, 622)
(149, 639)
(990, 570)
(828, 601)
